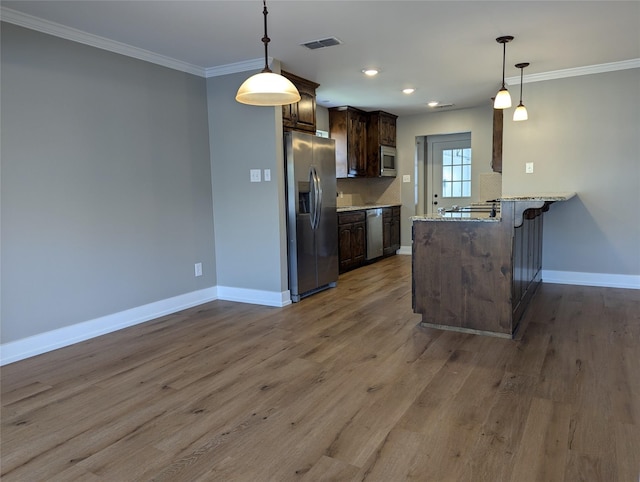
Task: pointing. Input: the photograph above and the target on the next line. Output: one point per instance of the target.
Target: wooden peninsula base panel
(478, 274)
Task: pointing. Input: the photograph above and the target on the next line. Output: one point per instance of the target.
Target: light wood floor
(343, 386)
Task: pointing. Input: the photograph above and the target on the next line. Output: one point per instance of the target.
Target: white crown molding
(75, 35)
(575, 72)
(244, 66)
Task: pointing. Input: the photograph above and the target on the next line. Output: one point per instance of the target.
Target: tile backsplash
(360, 192)
(386, 190)
(490, 186)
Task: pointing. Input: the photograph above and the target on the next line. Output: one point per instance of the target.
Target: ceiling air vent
(322, 43)
(444, 106)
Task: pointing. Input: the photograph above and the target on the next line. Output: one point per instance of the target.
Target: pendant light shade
(503, 98)
(521, 114)
(267, 88)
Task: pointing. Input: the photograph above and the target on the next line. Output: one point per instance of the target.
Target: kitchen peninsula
(475, 271)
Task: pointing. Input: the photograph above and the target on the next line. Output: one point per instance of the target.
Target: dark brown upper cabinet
(382, 128)
(348, 127)
(381, 131)
(359, 135)
(301, 116)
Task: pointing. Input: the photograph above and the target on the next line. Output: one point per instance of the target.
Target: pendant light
(503, 99)
(520, 114)
(267, 88)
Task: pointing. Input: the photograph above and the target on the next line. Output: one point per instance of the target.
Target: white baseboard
(52, 340)
(255, 297)
(68, 335)
(591, 279)
(577, 278)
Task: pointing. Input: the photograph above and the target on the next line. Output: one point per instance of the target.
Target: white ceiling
(446, 50)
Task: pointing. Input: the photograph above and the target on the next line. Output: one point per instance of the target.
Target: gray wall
(109, 188)
(322, 118)
(106, 185)
(250, 217)
(478, 121)
(583, 135)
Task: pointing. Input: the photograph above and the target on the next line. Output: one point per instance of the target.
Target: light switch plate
(528, 168)
(406, 178)
(267, 175)
(255, 175)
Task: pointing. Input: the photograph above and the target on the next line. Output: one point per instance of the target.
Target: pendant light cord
(521, 77)
(504, 55)
(266, 39)
(267, 88)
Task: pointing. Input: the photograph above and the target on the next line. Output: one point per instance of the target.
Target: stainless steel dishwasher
(374, 233)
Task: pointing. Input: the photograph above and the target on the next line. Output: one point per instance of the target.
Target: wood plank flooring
(344, 386)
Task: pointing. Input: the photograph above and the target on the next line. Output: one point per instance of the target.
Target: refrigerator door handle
(314, 195)
(312, 198)
(318, 190)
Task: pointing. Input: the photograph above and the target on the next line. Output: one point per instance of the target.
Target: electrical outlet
(255, 175)
(267, 175)
(406, 178)
(528, 168)
(198, 269)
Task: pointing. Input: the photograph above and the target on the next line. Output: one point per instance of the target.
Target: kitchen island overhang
(478, 273)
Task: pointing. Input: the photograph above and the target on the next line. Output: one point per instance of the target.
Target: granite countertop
(461, 216)
(547, 197)
(481, 216)
(365, 207)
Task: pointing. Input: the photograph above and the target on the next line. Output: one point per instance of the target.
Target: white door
(448, 171)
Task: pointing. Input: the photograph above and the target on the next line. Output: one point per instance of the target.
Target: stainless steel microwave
(388, 161)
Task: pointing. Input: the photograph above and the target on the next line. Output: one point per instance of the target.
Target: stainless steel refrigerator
(312, 220)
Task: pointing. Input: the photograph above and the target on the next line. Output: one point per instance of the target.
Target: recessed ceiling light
(433, 103)
(408, 91)
(370, 72)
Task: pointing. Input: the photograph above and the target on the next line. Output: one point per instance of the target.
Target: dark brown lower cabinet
(352, 236)
(352, 239)
(390, 230)
(478, 275)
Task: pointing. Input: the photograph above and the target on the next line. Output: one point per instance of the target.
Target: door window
(449, 171)
(456, 172)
